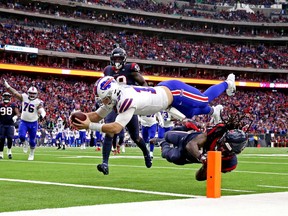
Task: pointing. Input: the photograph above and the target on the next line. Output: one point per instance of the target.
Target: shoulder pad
(135, 67)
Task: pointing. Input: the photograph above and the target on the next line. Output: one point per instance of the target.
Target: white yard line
(99, 187)
(155, 167)
(273, 186)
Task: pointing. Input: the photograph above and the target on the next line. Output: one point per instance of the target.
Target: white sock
(1, 154)
(32, 151)
(9, 151)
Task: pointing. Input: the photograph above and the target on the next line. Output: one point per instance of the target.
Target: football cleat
(10, 156)
(31, 157)
(216, 113)
(148, 161)
(103, 168)
(25, 147)
(176, 113)
(231, 85)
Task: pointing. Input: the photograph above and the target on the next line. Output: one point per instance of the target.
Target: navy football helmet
(6, 97)
(118, 58)
(235, 141)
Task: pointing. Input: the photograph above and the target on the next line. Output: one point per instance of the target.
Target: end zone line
(101, 188)
(271, 186)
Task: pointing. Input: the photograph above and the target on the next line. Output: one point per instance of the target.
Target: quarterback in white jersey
(181, 99)
(32, 110)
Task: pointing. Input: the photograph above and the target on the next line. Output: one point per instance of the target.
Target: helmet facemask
(118, 58)
(32, 93)
(233, 141)
(6, 97)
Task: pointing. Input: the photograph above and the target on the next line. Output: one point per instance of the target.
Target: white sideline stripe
(244, 191)
(264, 173)
(271, 186)
(264, 162)
(100, 187)
(133, 166)
(253, 204)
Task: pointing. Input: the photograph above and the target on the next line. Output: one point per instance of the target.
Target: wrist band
(95, 126)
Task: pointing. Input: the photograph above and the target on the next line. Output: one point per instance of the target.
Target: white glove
(6, 83)
(14, 118)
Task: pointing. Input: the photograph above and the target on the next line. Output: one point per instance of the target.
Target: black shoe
(148, 161)
(1, 157)
(59, 148)
(10, 156)
(103, 168)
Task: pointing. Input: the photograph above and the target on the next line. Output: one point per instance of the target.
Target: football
(201, 174)
(79, 115)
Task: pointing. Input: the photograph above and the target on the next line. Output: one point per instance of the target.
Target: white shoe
(176, 113)
(25, 147)
(31, 157)
(123, 149)
(216, 114)
(151, 155)
(231, 85)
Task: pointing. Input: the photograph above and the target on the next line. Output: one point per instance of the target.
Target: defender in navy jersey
(128, 74)
(187, 147)
(9, 113)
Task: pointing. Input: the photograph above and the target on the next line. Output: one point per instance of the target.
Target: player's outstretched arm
(12, 90)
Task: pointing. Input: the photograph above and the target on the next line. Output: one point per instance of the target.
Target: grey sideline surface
(243, 205)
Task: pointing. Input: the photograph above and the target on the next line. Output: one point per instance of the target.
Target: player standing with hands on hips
(32, 110)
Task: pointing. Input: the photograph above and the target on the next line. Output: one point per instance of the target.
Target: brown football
(79, 115)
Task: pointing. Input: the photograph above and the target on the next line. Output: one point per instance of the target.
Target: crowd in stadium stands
(141, 46)
(173, 24)
(267, 109)
(98, 65)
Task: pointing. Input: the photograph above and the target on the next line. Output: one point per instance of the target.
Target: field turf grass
(64, 178)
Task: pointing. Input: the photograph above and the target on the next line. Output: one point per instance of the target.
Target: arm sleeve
(103, 111)
(125, 117)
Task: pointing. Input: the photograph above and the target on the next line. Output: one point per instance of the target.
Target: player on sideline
(32, 110)
(9, 114)
(131, 100)
(128, 74)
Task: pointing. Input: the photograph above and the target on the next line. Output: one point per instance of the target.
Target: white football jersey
(30, 108)
(148, 121)
(167, 119)
(146, 100)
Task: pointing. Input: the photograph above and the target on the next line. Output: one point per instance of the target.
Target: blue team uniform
(189, 100)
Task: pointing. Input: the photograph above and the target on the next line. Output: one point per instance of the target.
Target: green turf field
(63, 178)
